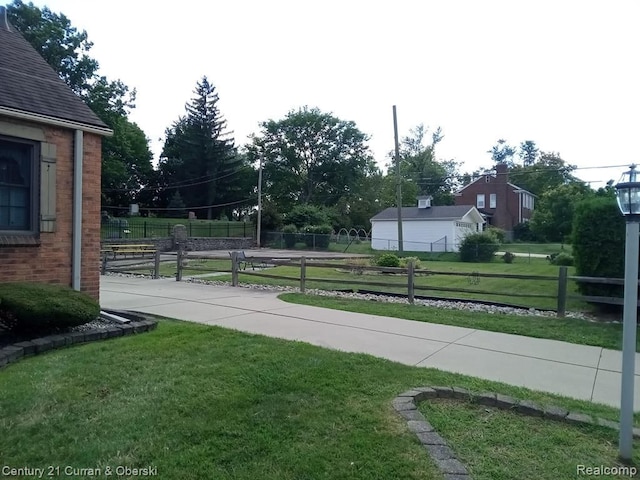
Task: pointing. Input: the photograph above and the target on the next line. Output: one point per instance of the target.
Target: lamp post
(628, 195)
(259, 221)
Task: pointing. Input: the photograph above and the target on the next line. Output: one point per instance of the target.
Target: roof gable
(441, 212)
(30, 85)
(491, 182)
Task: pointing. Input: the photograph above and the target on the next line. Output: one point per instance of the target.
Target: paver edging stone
(140, 323)
(406, 405)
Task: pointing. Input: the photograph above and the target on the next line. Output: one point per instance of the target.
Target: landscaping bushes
(318, 236)
(479, 247)
(388, 260)
(34, 308)
(598, 244)
(289, 233)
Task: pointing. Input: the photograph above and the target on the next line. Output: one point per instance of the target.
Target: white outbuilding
(425, 228)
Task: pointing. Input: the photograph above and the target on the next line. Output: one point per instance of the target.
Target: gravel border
(445, 304)
(406, 405)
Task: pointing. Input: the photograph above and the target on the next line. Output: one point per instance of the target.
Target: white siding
(418, 236)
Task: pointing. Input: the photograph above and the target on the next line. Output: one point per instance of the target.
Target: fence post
(234, 269)
(179, 264)
(156, 265)
(103, 268)
(144, 227)
(228, 231)
(410, 281)
(303, 274)
(562, 291)
(210, 232)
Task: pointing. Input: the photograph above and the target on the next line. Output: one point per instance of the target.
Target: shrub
(562, 259)
(478, 247)
(522, 232)
(35, 308)
(388, 260)
(318, 236)
(289, 233)
(598, 244)
(404, 261)
(306, 214)
(498, 233)
(508, 257)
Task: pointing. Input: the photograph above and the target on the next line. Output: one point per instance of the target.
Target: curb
(442, 455)
(139, 324)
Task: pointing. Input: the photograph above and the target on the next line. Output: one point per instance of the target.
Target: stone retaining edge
(406, 405)
(13, 353)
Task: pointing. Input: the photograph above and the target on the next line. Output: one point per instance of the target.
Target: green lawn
(510, 291)
(196, 401)
(599, 334)
(498, 444)
(504, 290)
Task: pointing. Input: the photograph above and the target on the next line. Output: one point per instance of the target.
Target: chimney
(502, 173)
(424, 202)
(4, 21)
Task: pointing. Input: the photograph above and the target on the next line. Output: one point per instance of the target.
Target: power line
(184, 208)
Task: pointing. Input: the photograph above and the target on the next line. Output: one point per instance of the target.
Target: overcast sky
(564, 73)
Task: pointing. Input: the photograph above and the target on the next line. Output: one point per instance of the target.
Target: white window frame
(480, 200)
(492, 200)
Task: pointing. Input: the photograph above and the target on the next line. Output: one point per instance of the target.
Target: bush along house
(503, 204)
(50, 160)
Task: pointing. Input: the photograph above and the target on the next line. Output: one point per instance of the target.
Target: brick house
(503, 204)
(50, 160)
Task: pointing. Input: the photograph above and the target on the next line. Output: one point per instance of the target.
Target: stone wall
(195, 244)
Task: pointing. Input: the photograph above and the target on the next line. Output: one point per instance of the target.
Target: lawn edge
(445, 459)
(13, 353)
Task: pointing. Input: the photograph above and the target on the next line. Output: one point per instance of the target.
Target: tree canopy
(311, 157)
(547, 172)
(422, 174)
(126, 158)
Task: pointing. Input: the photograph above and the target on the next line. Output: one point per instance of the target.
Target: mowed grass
(196, 402)
(499, 444)
(572, 330)
(443, 276)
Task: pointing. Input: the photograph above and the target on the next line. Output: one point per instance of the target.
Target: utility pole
(259, 226)
(399, 181)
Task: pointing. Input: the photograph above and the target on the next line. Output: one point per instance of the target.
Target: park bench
(132, 249)
(243, 261)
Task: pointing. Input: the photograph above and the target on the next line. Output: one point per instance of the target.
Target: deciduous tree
(311, 157)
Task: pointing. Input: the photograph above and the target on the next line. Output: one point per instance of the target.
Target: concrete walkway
(582, 372)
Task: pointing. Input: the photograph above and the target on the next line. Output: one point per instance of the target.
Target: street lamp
(628, 195)
(259, 220)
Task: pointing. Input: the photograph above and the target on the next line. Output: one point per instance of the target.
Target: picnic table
(125, 250)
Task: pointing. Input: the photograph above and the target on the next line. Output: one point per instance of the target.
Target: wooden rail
(404, 279)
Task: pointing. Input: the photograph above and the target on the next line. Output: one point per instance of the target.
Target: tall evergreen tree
(199, 155)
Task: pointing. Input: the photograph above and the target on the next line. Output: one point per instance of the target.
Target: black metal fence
(124, 228)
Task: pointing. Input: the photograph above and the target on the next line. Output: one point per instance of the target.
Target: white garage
(425, 228)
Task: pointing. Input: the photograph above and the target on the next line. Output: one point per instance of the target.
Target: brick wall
(50, 262)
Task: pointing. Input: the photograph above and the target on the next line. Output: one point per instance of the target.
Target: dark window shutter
(47, 187)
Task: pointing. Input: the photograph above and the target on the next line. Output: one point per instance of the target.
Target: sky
(563, 73)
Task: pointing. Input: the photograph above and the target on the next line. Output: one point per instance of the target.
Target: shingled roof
(442, 212)
(30, 85)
